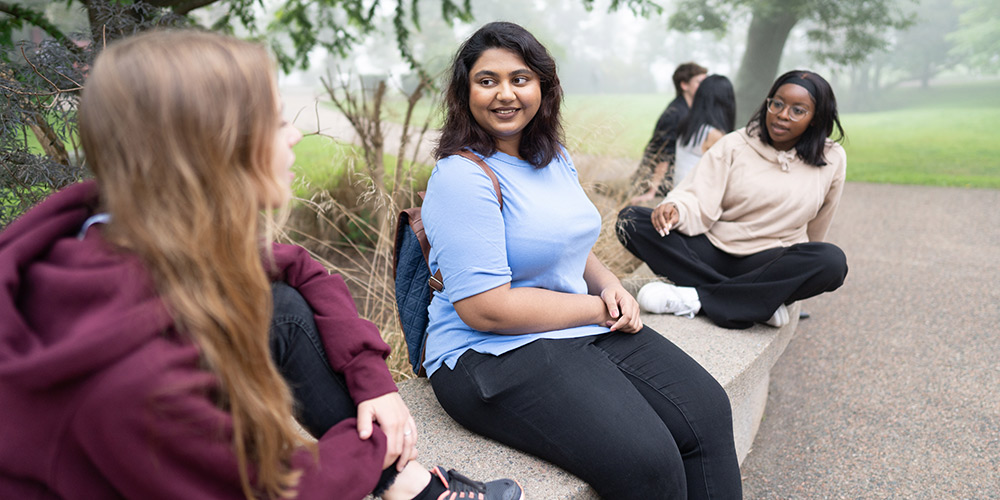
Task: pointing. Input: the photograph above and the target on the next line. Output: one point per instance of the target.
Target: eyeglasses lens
(794, 113)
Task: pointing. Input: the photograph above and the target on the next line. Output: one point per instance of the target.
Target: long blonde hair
(178, 128)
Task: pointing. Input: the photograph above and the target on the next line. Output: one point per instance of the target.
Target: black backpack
(414, 282)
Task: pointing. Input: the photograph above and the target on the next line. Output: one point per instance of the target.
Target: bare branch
(39, 94)
(35, 69)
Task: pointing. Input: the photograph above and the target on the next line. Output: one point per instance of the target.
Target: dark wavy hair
(542, 137)
(684, 73)
(812, 143)
(714, 105)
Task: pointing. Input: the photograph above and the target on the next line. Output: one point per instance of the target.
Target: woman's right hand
(621, 311)
(664, 218)
(397, 424)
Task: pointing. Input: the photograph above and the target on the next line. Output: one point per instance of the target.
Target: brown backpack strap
(469, 155)
(412, 218)
(417, 225)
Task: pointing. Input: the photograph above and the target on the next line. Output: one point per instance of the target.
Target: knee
(288, 302)
(291, 314)
(654, 469)
(717, 410)
(662, 474)
(627, 213)
(831, 264)
(625, 226)
(707, 422)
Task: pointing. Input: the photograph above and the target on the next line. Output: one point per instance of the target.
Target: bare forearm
(516, 311)
(598, 276)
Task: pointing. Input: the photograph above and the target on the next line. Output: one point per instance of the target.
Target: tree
(977, 38)
(39, 89)
(841, 32)
(336, 25)
(923, 50)
(40, 83)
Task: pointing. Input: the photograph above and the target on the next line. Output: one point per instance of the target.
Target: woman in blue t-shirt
(533, 342)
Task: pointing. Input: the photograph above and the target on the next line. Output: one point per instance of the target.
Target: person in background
(155, 344)
(654, 177)
(742, 236)
(533, 342)
(712, 115)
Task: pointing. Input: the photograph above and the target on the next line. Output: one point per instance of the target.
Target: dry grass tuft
(606, 182)
(318, 225)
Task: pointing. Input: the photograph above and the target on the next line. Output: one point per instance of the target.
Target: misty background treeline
(602, 46)
(865, 47)
(623, 52)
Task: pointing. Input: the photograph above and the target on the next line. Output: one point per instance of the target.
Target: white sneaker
(662, 298)
(779, 318)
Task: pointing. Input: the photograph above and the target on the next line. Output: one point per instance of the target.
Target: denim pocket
(523, 369)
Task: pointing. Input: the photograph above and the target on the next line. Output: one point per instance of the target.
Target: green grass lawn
(943, 136)
(322, 163)
(928, 146)
(611, 124)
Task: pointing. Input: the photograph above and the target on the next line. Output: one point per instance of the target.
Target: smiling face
(504, 95)
(783, 131)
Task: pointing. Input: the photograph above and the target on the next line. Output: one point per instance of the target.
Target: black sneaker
(458, 486)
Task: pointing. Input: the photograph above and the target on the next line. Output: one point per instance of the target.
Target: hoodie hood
(70, 305)
(784, 159)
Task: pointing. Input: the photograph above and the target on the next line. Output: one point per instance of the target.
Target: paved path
(892, 388)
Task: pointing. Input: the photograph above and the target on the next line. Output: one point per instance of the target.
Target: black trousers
(321, 396)
(735, 291)
(632, 415)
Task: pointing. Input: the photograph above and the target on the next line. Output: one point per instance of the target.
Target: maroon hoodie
(100, 397)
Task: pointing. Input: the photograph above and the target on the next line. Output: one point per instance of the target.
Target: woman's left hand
(622, 308)
(394, 419)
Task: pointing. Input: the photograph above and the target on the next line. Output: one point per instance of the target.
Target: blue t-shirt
(541, 239)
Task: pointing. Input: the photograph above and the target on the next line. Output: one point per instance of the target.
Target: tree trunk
(769, 29)
(51, 144)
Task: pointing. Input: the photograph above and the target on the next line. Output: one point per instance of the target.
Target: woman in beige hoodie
(742, 236)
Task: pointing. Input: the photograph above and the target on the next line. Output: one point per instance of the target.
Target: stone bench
(740, 360)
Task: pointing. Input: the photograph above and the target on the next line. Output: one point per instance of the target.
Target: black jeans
(735, 291)
(632, 415)
(320, 394)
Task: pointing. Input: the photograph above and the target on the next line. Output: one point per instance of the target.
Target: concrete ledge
(740, 360)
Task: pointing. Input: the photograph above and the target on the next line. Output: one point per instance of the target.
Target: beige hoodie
(746, 196)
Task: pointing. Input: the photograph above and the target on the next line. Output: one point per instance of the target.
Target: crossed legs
(735, 291)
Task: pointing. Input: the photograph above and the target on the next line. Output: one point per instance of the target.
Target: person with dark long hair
(533, 342)
(742, 236)
(155, 344)
(655, 175)
(712, 115)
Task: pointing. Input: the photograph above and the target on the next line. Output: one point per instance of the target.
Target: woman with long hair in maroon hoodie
(155, 344)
